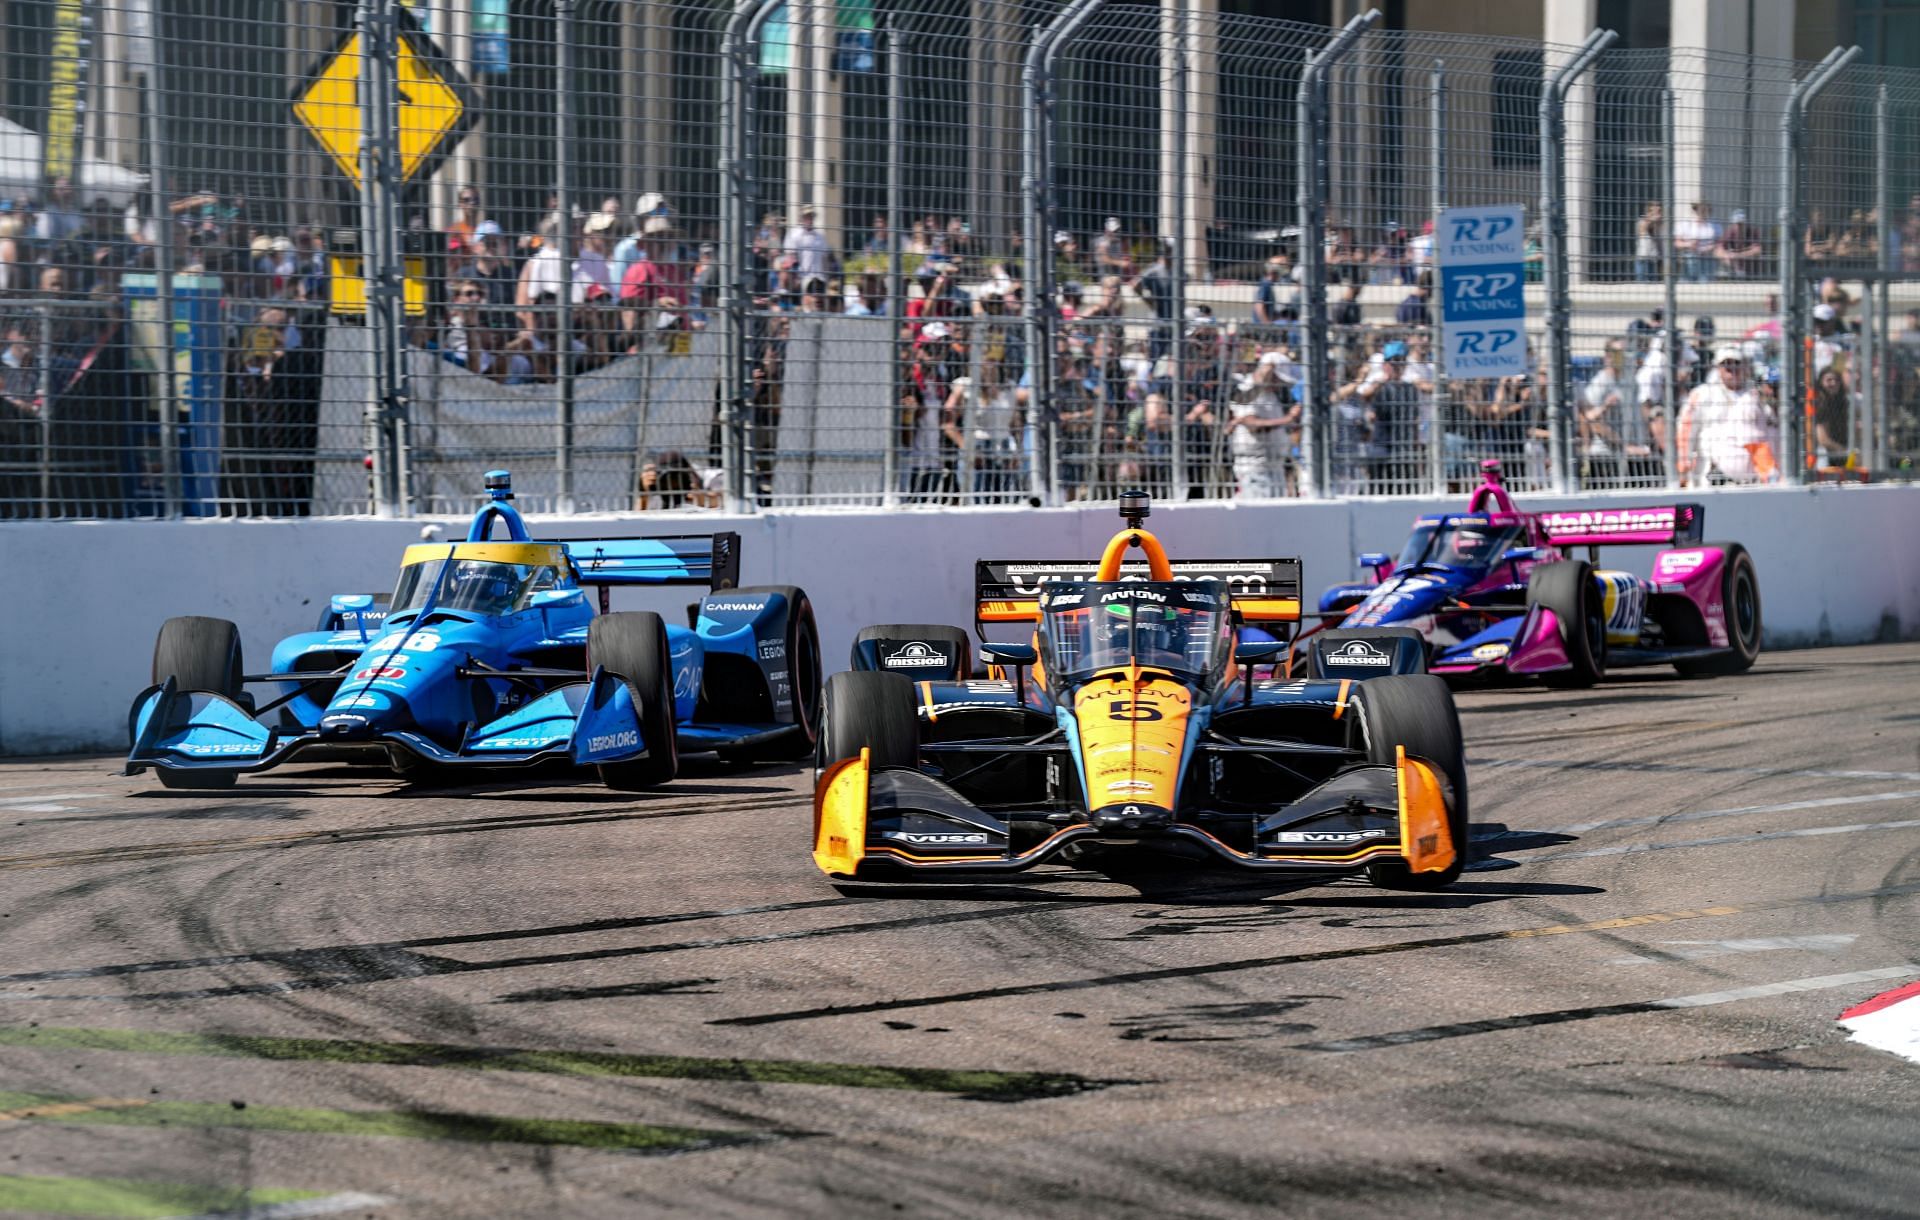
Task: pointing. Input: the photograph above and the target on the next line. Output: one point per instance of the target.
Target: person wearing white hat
(1727, 434)
(591, 270)
(812, 256)
(1110, 254)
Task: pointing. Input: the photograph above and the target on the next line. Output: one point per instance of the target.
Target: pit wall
(1838, 565)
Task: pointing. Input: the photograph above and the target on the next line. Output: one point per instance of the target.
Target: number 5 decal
(1127, 709)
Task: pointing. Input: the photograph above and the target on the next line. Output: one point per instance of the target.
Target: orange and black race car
(1134, 718)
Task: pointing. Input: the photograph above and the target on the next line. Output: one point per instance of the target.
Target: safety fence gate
(270, 258)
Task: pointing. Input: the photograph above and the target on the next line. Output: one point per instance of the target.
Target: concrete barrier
(1837, 565)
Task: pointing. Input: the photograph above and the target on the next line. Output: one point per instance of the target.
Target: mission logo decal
(916, 654)
(1358, 653)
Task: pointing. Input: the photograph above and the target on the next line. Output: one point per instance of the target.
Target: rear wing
(712, 560)
(1664, 525)
(1263, 590)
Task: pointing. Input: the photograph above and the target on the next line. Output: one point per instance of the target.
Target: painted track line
(1562, 1016)
(1701, 815)
(1803, 832)
(1653, 768)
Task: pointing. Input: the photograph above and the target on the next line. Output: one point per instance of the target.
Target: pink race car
(1496, 590)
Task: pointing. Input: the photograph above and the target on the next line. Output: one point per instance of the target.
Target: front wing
(897, 817)
(586, 723)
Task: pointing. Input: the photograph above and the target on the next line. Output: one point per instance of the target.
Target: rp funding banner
(1482, 258)
(66, 90)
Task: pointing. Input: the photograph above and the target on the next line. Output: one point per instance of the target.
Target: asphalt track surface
(349, 996)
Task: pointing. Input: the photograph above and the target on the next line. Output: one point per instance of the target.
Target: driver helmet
(482, 583)
(1155, 628)
(1469, 542)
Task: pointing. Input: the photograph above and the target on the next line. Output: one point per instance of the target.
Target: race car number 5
(1128, 709)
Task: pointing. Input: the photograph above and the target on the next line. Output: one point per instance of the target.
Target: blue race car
(488, 654)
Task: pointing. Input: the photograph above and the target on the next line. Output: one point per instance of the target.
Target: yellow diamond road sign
(435, 103)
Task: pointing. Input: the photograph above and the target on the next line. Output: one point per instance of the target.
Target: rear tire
(1740, 597)
(1417, 711)
(874, 711)
(953, 637)
(632, 645)
(1567, 589)
(199, 654)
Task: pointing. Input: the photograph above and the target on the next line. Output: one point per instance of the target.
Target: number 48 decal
(1128, 709)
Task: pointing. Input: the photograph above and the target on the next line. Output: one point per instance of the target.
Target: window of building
(1516, 108)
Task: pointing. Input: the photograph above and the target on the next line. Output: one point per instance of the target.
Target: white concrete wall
(1837, 565)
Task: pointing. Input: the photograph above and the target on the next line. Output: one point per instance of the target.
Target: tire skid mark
(518, 821)
(1562, 1016)
(402, 1124)
(355, 965)
(1319, 955)
(973, 1083)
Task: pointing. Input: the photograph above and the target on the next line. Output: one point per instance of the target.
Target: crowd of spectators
(1185, 402)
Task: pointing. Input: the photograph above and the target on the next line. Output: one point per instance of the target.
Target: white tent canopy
(20, 170)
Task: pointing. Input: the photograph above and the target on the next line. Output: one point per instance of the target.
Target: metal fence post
(736, 288)
(1436, 430)
(1553, 205)
(563, 241)
(1039, 308)
(895, 48)
(44, 384)
(146, 38)
(1670, 276)
(1310, 124)
(1179, 488)
(1793, 304)
(379, 181)
(1877, 293)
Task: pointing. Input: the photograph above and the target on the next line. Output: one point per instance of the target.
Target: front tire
(1740, 602)
(1416, 711)
(1567, 589)
(632, 645)
(199, 654)
(872, 711)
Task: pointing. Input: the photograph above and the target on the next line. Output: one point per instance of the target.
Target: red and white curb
(1889, 1021)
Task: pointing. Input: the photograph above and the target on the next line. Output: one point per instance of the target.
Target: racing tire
(1740, 596)
(803, 676)
(632, 645)
(1567, 589)
(870, 710)
(1417, 711)
(200, 654)
(958, 640)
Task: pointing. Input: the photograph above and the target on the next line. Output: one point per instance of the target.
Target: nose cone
(358, 713)
(1121, 821)
(384, 689)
